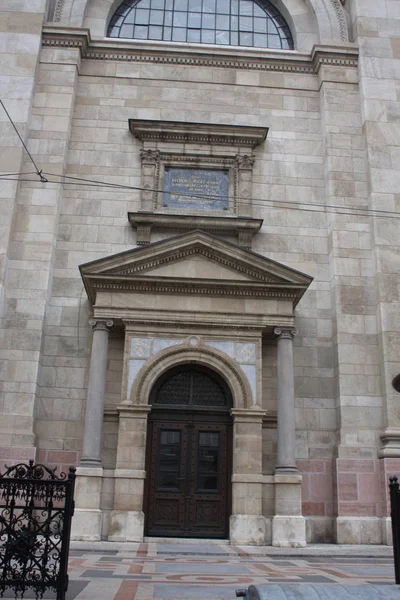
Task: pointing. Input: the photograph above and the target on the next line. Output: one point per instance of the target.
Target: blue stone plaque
(196, 189)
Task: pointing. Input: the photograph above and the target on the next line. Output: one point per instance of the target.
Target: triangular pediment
(192, 260)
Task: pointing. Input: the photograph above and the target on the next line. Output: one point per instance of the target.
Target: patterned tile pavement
(209, 571)
(169, 570)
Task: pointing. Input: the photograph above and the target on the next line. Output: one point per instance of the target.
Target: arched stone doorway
(189, 454)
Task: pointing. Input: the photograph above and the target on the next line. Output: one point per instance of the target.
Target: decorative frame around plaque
(198, 146)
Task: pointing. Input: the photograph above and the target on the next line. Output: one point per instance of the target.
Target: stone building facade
(204, 285)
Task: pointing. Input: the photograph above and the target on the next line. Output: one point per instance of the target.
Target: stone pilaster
(244, 166)
(127, 518)
(247, 524)
(150, 165)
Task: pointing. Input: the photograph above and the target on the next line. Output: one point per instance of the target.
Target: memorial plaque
(196, 189)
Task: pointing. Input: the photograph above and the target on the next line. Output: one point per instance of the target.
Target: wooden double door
(189, 474)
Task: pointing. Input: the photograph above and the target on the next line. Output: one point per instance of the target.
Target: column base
(289, 531)
(248, 530)
(86, 525)
(126, 526)
(359, 530)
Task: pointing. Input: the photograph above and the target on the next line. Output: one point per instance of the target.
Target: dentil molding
(343, 55)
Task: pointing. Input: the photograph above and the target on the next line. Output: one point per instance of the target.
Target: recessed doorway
(189, 455)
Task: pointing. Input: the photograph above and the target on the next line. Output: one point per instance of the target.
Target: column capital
(102, 324)
(285, 332)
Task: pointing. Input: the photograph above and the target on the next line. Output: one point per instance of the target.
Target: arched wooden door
(189, 455)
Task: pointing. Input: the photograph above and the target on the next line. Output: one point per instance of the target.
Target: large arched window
(254, 23)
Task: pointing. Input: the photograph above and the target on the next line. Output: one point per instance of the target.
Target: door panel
(188, 479)
(166, 511)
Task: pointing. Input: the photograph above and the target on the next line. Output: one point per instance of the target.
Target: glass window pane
(223, 6)
(258, 11)
(193, 35)
(194, 20)
(245, 39)
(168, 17)
(126, 31)
(156, 17)
(246, 24)
(159, 4)
(207, 36)
(209, 438)
(234, 7)
(155, 32)
(234, 23)
(167, 34)
(234, 38)
(195, 5)
(274, 41)
(208, 21)
(272, 27)
(179, 34)
(142, 17)
(209, 6)
(246, 7)
(129, 19)
(180, 19)
(169, 4)
(286, 45)
(260, 25)
(146, 4)
(141, 32)
(181, 5)
(222, 22)
(260, 40)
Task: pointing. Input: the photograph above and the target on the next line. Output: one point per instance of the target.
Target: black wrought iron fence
(395, 515)
(36, 508)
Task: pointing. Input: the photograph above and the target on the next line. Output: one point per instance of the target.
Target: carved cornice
(148, 130)
(245, 227)
(233, 58)
(197, 287)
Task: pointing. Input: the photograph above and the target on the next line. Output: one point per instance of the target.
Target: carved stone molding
(338, 6)
(285, 332)
(144, 223)
(197, 133)
(244, 161)
(150, 156)
(170, 357)
(132, 271)
(287, 62)
(102, 324)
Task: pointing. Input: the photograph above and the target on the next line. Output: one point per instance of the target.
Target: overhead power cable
(283, 204)
(40, 173)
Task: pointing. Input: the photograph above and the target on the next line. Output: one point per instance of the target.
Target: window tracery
(251, 23)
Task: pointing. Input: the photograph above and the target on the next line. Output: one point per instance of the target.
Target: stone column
(288, 524)
(87, 523)
(96, 391)
(286, 442)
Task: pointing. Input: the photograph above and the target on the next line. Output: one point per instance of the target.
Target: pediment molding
(148, 130)
(131, 271)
